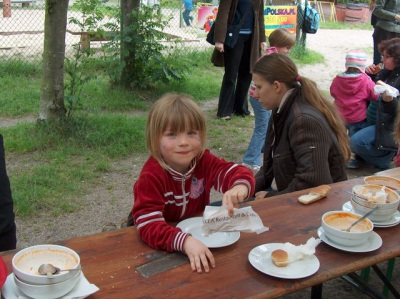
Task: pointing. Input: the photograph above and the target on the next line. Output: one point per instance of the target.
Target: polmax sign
(281, 16)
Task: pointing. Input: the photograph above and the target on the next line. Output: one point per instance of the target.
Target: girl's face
(269, 95)
(283, 50)
(388, 61)
(178, 149)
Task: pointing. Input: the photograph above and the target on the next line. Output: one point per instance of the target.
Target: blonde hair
(281, 37)
(279, 67)
(175, 112)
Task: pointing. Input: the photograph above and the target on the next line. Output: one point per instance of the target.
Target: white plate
(81, 290)
(260, 258)
(347, 207)
(215, 240)
(372, 243)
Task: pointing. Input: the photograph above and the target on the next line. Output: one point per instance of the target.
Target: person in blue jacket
(188, 6)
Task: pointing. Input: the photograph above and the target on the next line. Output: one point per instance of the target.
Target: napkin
(299, 252)
(217, 219)
(82, 289)
(390, 90)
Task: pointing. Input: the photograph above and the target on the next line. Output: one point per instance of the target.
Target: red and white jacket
(165, 195)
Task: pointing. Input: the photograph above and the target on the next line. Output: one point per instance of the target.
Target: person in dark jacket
(386, 14)
(375, 144)
(8, 238)
(307, 143)
(239, 60)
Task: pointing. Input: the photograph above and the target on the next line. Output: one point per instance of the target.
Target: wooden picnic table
(122, 266)
(393, 172)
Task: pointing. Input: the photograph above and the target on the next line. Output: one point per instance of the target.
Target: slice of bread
(280, 258)
(315, 194)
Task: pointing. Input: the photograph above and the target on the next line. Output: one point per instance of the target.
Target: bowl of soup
(25, 263)
(335, 223)
(369, 196)
(382, 180)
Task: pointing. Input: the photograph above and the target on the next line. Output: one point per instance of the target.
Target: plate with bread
(272, 260)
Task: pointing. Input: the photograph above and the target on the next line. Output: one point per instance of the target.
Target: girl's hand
(232, 197)
(198, 254)
(261, 194)
(219, 46)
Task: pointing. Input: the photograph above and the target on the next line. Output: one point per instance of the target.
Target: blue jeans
(253, 152)
(355, 127)
(362, 144)
(187, 17)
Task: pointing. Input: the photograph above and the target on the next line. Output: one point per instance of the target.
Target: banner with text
(281, 16)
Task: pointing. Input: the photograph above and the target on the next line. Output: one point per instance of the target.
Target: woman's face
(269, 95)
(388, 61)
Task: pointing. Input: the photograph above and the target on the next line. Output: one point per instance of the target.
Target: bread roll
(280, 258)
(379, 82)
(314, 194)
(378, 68)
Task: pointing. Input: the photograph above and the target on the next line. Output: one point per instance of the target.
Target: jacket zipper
(184, 196)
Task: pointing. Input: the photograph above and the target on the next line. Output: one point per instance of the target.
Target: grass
(341, 25)
(57, 164)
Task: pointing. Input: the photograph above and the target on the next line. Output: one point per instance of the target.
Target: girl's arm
(148, 213)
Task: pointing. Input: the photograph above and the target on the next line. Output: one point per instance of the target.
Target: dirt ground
(111, 200)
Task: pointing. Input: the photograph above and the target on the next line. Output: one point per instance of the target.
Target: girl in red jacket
(176, 180)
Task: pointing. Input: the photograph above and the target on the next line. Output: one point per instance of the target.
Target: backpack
(311, 20)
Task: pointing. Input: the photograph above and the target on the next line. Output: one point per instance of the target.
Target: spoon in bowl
(49, 270)
(361, 219)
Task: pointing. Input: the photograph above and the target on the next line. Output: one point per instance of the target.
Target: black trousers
(378, 36)
(237, 78)
(8, 239)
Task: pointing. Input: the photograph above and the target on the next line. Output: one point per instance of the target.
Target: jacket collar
(177, 176)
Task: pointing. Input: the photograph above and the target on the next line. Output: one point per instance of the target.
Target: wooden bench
(87, 37)
(25, 3)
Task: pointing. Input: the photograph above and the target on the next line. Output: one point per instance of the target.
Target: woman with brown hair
(307, 143)
(376, 144)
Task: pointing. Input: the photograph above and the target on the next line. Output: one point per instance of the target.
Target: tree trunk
(51, 106)
(127, 51)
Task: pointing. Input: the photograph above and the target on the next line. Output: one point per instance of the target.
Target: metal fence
(22, 28)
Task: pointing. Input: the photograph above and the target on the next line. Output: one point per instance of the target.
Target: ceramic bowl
(26, 262)
(392, 200)
(48, 291)
(382, 180)
(333, 222)
(380, 215)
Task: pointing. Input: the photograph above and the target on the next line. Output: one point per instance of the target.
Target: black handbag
(232, 32)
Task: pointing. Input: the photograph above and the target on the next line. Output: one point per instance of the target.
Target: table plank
(111, 260)
(393, 172)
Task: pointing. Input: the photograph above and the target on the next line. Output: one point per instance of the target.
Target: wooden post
(85, 41)
(6, 8)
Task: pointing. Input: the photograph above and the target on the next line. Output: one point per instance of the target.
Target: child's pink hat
(356, 59)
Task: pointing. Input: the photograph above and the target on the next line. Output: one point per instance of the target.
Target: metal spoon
(359, 196)
(49, 270)
(361, 219)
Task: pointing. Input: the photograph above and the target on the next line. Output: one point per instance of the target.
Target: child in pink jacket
(352, 90)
